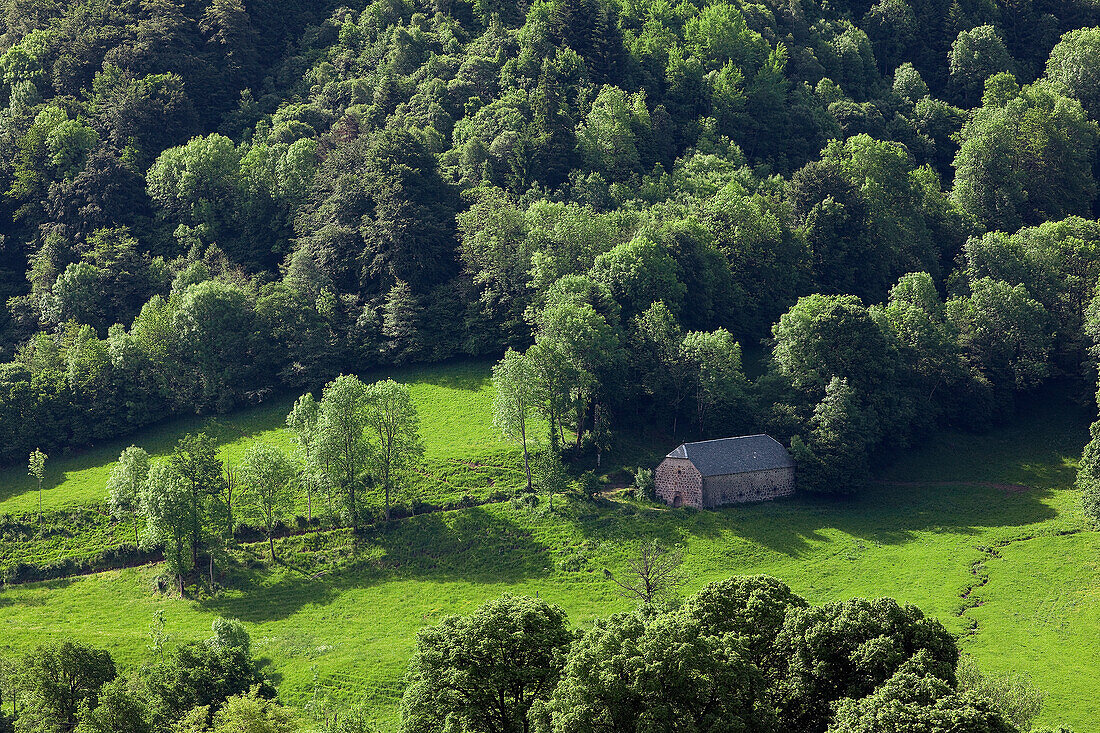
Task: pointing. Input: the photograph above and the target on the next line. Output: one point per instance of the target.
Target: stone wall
(739, 488)
(679, 483)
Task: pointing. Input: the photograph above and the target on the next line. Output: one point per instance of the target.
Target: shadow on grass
(889, 515)
(159, 440)
(472, 545)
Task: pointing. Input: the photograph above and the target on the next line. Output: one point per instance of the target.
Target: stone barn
(725, 471)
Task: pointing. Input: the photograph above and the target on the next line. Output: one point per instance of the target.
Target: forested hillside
(209, 202)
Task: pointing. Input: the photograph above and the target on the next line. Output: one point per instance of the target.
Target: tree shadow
(472, 545)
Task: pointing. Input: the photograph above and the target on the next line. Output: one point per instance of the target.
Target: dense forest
(208, 202)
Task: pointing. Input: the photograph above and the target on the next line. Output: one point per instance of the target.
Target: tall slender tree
(394, 427)
(126, 484)
(514, 382)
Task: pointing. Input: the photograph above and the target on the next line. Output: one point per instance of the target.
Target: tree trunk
(271, 545)
(386, 487)
(526, 460)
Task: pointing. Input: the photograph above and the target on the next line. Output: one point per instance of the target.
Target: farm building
(725, 471)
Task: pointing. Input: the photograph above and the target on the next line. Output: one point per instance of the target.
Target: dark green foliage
(483, 672)
(59, 680)
(847, 650)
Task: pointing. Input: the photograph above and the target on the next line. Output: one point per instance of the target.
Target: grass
(454, 402)
(1013, 573)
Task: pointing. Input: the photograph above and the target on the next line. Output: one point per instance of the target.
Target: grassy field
(454, 403)
(1011, 571)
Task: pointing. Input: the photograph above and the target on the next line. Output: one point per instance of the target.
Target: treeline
(633, 187)
(744, 654)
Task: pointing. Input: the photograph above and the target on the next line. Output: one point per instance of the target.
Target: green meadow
(982, 531)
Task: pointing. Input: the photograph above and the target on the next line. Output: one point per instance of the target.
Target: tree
(391, 419)
(1004, 333)
(514, 398)
(911, 701)
(721, 390)
(1088, 476)
(126, 484)
(342, 447)
(196, 464)
(483, 672)
(658, 673)
(976, 55)
(251, 713)
(1075, 63)
(36, 467)
(59, 679)
(169, 518)
(751, 608)
(198, 675)
(267, 473)
(302, 421)
(1025, 157)
(121, 709)
(1014, 696)
(652, 575)
(548, 475)
(849, 648)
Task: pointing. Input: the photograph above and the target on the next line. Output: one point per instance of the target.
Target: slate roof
(735, 455)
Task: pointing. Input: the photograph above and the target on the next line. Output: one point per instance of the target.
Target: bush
(645, 483)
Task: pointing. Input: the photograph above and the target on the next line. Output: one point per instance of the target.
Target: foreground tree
(849, 648)
(396, 447)
(630, 673)
(751, 608)
(482, 673)
(58, 680)
(126, 484)
(267, 473)
(913, 701)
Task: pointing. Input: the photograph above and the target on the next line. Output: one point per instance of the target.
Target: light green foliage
(267, 475)
(1014, 696)
(342, 447)
(126, 484)
(393, 426)
(250, 713)
(170, 518)
(230, 634)
(302, 422)
(1075, 62)
(514, 399)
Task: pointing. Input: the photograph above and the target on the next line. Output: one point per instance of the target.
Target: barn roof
(735, 455)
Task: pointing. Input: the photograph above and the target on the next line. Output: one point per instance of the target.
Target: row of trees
(742, 654)
(357, 438)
